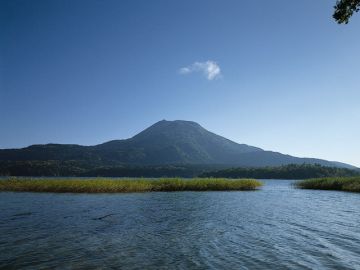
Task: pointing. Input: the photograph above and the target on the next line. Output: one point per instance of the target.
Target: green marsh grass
(106, 185)
(334, 183)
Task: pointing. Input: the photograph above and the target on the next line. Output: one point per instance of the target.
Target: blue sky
(283, 75)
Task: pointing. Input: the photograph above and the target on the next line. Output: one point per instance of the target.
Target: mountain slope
(179, 142)
(165, 142)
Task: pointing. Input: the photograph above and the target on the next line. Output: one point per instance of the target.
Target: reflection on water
(278, 227)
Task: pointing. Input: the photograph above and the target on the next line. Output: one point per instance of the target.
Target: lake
(277, 227)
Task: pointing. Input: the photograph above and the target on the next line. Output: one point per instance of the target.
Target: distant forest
(84, 168)
(292, 171)
(79, 168)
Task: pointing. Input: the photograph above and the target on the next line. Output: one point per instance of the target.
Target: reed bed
(351, 184)
(106, 185)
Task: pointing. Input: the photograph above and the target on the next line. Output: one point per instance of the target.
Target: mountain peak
(171, 128)
(188, 142)
(170, 123)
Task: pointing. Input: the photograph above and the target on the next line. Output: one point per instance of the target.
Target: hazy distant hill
(165, 142)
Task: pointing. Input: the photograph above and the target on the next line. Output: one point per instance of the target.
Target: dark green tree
(344, 9)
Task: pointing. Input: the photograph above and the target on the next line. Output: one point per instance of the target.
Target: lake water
(278, 227)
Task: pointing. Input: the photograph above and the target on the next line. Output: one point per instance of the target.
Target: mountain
(165, 142)
(169, 142)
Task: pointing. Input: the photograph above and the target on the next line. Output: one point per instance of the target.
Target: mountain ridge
(165, 142)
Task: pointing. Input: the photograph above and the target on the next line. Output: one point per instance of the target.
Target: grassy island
(106, 185)
(335, 183)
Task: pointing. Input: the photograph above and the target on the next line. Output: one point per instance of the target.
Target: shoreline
(348, 184)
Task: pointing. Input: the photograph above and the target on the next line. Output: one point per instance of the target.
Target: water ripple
(277, 228)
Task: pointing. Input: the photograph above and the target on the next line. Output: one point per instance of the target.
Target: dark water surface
(276, 228)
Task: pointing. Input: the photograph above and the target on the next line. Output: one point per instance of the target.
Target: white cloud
(210, 69)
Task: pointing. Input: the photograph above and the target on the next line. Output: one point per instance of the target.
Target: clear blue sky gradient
(90, 71)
